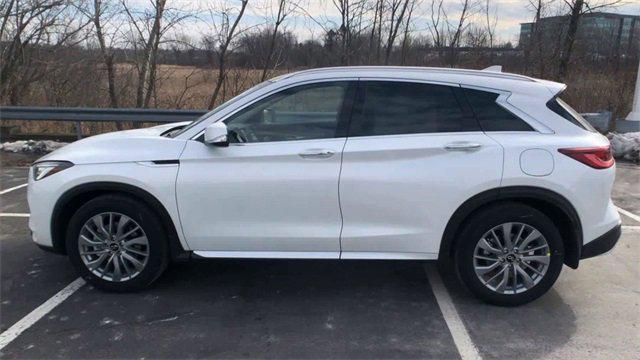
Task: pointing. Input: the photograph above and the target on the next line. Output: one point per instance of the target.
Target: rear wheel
(117, 243)
(509, 254)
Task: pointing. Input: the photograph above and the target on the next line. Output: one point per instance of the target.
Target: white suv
(486, 168)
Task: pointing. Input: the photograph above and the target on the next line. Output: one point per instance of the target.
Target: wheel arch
(554, 205)
(75, 197)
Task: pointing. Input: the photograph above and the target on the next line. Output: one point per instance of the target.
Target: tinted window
(491, 115)
(563, 109)
(300, 113)
(409, 108)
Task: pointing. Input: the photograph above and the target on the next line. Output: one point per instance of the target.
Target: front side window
(220, 108)
(390, 108)
(301, 113)
(492, 116)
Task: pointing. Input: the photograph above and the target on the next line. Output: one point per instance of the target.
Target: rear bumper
(602, 244)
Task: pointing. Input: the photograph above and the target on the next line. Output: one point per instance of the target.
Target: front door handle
(317, 154)
(462, 146)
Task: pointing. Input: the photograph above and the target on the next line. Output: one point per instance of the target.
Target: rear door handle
(317, 154)
(462, 146)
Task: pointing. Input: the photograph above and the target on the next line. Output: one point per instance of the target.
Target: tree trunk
(153, 60)
(223, 53)
(405, 39)
(148, 53)
(272, 43)
(5, 18)
(107, 57)
(393, 32)
(533, 40)
(379, 39)
(374, 28)
(453, 55)
(565, 55)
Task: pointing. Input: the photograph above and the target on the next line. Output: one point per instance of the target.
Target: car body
(346, 163)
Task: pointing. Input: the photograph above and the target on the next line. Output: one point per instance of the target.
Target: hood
(122, 146)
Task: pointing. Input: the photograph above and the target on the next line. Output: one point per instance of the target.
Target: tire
(141, 255)
(474, 258)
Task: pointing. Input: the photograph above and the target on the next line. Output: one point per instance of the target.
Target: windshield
(220, 108)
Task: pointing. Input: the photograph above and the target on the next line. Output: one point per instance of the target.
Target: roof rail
(494, 68)
(491, 71)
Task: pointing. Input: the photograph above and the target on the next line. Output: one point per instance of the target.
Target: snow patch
(31, 146)
(626, 146)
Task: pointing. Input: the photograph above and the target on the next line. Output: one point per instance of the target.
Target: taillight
(596, 157)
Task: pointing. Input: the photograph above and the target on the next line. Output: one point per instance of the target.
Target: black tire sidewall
(493, 216)
(139, 212)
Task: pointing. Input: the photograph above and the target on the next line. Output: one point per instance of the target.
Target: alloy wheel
(511, 258)
(113, 246)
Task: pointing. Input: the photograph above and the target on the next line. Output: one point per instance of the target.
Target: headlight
(47, 168)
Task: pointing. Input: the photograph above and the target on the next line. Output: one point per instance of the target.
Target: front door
(273, 192)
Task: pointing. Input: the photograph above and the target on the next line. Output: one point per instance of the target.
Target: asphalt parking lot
(312, 309)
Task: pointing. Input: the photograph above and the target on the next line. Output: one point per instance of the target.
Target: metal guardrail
(96, 114)
(79, 115)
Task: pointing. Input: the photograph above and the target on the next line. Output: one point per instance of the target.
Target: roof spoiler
(494, 68)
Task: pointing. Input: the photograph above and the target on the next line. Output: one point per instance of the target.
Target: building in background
(599, 33)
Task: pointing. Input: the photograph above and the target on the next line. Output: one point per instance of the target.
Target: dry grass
(178, 87)
(181, 87)
(598, 92)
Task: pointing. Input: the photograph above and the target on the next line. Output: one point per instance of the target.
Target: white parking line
(14, 214)
(628, 213)
(466, 348)
(26, 322)
(11, 189)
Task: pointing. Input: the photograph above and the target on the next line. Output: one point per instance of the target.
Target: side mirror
(216, 134)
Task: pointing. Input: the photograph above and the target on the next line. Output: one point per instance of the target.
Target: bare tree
(103, 11)
(576, 9)
(5, 8)
(147, 29)
(491, 21)
(375, 35)
(405, 38)
(285, 7)
(397, 10)
(351, 17)
(456, 30)
(535, 38)
(146, 58)
(32, 31)
(574, 16)
(220, 43)
(437, 17)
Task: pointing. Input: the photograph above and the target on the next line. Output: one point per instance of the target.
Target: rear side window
(389, 108)
(563, 109)
(492, 116)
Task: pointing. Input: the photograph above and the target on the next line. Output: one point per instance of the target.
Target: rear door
(415, 152)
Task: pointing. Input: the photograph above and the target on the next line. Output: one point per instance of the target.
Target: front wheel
(117, 243)
(509, 254)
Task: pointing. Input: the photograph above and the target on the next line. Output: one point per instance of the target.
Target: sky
(509, 14)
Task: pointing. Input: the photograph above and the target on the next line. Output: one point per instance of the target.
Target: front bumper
(602, 244)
